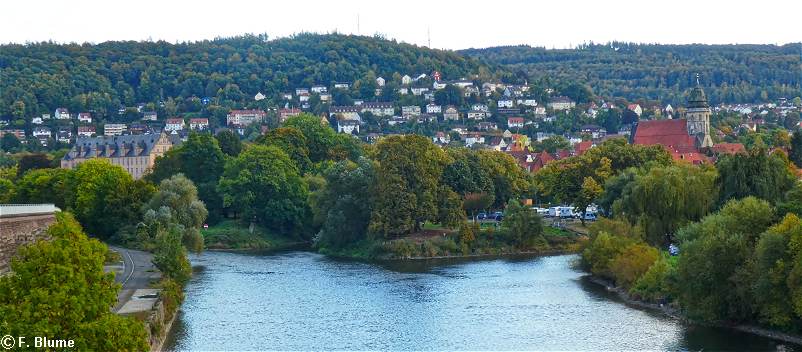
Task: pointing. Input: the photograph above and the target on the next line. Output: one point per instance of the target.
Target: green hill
(39, 77)
(730, 73)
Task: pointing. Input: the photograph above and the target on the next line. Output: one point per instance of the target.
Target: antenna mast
(429, 36)
(357, 24)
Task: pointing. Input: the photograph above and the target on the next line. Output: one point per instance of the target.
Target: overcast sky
(451, 24)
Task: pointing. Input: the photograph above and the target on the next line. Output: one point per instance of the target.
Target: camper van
(561, 212)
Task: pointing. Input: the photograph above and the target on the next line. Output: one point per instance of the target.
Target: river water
(305, 301)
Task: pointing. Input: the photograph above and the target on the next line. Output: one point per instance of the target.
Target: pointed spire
(697, 79)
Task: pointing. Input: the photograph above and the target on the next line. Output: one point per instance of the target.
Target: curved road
(138, 272)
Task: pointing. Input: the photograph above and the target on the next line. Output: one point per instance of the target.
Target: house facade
(135, 153)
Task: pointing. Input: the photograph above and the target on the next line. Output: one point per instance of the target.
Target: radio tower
(357, 24)
(429, 36)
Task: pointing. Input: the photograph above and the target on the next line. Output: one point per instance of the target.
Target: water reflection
(304, 301)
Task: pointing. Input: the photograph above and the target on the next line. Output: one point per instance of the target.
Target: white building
(245, 117)
(176, 124)
(348, 126)
(505, 103)
(410, 111)
(114, 129)
(62, 114)
(434, 109)
(85, 117)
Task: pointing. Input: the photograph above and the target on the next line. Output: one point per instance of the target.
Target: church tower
(698, 117)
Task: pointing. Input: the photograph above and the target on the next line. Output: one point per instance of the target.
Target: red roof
(728, 148)
(671, 134)
(581, 147)
(691, 157)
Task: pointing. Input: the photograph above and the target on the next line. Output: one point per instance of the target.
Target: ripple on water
(304, 301)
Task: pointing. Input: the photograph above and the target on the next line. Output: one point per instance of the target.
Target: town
(535, 127)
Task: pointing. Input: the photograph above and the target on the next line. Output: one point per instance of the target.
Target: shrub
(655, 284)
(629, 265)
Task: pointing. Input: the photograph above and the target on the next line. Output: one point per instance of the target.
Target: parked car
(482, 216)
(498, 216)
(590, 217)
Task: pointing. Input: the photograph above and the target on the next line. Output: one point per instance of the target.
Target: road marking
(132, 268)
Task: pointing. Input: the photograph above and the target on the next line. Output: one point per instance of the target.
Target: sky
(444, 24)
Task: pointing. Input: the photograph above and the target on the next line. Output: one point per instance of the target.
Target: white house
(438, 85)
(299, 91)
(64, 135)
(505, 103)
(474, 138)
(476, 115)
(62, 114)
(175, 124)
(561, 103)
(114, 129)
(342, 85)
(319, 89)
(527, 102)
(37, 120)
(419, 90)
(379, 108)
(149, 116)
(245, 117)
(41, 132)
(515, 122)
(450, 113)
(345, 112)
(303, 97)
(199, 124)
(348, 126)
(405, 80)
(259, 96)
(410, 111)
(433, 109)
(380, 81)
(85, 117)
(480, 107)
(86, 131)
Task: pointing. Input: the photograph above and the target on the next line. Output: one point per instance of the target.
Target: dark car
(498, 216)
(482, 216)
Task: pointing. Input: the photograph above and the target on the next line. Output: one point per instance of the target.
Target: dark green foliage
(45, 76)
(343, 206)
(262, 184)
(229, 142)
(730, 73)
(753, 174)
(523, 225)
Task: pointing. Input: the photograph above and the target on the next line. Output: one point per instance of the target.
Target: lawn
(231, 234)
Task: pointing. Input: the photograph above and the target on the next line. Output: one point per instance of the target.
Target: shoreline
(676, 314)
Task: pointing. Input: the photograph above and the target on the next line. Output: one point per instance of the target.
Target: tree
(753, 174)
(229, 142)
(450, 95)
(795, 152)
(664, 199)
(33, 161)
(201, 160)
(523, 225)
(409, 169)
(450, 212)
(43, 186)
(319, 138)
(291, 141)
(343, 205)
(104, 197)
(179, 194)
(474, 202)
(10, 143)
(79, 308)
(510, 180)
(264, 185)
(632, 263)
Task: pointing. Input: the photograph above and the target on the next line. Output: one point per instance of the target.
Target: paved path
(137, 272)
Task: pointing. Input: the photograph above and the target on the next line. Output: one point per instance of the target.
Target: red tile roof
(728, 148)
(581, 147)
(671, 134)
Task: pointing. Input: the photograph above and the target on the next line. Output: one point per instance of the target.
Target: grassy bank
(435, 242)
(233, 235)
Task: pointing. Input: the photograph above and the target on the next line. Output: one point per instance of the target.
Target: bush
(602, 250)
(628, 266)
(655, 284)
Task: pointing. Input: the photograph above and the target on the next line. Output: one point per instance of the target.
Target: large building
(135, 153)
(245, 117)
(686, 139)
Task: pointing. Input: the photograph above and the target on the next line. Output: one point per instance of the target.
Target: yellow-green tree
(58, 289)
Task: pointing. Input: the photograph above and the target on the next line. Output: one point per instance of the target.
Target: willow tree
(666, 198)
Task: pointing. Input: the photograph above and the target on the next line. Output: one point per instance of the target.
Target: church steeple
(698, 116)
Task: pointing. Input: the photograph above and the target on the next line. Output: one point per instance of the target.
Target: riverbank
(230, 235)
(675, 313)
(488, 244)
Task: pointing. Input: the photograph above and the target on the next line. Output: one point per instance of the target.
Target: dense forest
(729, 73)
(39, 77)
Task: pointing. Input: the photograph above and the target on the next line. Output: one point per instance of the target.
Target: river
(305, 301)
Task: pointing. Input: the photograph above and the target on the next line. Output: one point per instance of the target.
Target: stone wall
(18, 230)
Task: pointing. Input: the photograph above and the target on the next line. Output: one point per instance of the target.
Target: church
(687, 138)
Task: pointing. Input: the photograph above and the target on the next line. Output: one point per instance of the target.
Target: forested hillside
(37, 78)
(730, 73)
